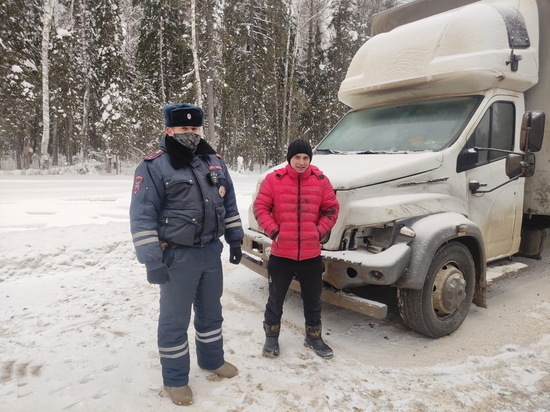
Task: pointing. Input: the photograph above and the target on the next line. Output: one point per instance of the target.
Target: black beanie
(298, 146)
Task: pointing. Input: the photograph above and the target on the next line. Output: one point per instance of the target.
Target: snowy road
(78, 326)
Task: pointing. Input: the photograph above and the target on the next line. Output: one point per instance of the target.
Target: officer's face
(170, 131)
(300, 162)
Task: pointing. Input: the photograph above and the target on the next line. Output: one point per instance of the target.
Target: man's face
(170, 131)
(300, 162)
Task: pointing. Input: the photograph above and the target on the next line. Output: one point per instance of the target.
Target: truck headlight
(376, 238)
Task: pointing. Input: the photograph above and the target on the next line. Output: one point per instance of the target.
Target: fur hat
(182, 114)
(298, 146)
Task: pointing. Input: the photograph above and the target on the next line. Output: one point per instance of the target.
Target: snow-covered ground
(78, 326)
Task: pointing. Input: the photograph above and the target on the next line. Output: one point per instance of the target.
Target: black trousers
(308, 272)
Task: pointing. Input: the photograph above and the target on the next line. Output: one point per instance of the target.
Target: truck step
(500, 270)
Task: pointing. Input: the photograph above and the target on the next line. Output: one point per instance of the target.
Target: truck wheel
(440, 307)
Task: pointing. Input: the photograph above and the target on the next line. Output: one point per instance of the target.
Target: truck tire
(440, 307)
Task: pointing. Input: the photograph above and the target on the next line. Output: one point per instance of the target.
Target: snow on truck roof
(464, 50)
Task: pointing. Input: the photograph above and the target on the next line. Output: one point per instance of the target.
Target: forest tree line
(88, 78)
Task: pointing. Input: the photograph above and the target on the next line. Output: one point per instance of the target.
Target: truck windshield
(419, 126)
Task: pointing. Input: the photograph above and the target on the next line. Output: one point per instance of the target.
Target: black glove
(158, 276)
(235, 255)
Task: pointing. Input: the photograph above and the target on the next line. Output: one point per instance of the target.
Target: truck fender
(434, 231)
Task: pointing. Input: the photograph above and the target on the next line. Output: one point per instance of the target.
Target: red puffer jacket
(296, 210)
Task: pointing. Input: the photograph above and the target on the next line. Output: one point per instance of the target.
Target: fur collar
(181, 156)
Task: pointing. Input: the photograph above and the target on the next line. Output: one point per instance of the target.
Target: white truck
(434, 165)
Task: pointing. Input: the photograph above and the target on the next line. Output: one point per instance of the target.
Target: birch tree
(46, 27)
(194, 48)
(83, 33)
(211, 69)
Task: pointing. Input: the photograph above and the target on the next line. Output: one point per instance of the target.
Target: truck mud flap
(533, 241)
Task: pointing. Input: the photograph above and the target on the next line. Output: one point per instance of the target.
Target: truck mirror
(532, 131)
(529, 165)
(518, 165)
(514, 165)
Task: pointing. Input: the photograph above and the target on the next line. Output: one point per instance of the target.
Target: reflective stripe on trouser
(196, 281)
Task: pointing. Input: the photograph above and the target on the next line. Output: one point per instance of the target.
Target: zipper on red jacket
(299, 213)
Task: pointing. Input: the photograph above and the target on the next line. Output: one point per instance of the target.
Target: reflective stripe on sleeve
(233, 218)
(238, 224)
(144, 233)
(146, 236)
(145, 241)
(234, 221)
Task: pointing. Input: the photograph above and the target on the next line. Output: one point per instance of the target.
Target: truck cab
(434, 164)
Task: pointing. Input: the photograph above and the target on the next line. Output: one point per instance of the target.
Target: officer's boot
(315, 342)
(227, 370)
(180, 395)
(271, 346)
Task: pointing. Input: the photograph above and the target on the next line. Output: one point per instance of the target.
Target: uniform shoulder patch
(153, 155)
(138, 181)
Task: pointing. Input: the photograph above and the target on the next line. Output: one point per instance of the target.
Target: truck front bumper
(342, 269)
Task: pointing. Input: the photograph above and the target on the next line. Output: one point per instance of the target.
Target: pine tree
(66, 89)
(164, 66)
(312, 75)
(347, 36)
(112, 85)
(20, 92)
(235, 122)
(254, 47)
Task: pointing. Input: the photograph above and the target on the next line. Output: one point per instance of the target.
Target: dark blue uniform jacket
(185, 207)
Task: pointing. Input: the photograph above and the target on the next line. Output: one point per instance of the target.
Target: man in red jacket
(296, 207)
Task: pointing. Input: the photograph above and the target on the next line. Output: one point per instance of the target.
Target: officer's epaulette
(153, 155)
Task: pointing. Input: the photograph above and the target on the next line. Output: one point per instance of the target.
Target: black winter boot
(271, 346)
(315, 342)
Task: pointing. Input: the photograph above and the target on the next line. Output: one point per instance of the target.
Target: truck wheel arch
(432, 233)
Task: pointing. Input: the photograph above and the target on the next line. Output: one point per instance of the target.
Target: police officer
(183, 201)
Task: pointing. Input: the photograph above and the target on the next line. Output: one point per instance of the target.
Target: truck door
(498, 213)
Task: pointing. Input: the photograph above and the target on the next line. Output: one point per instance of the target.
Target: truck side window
(496, 130)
